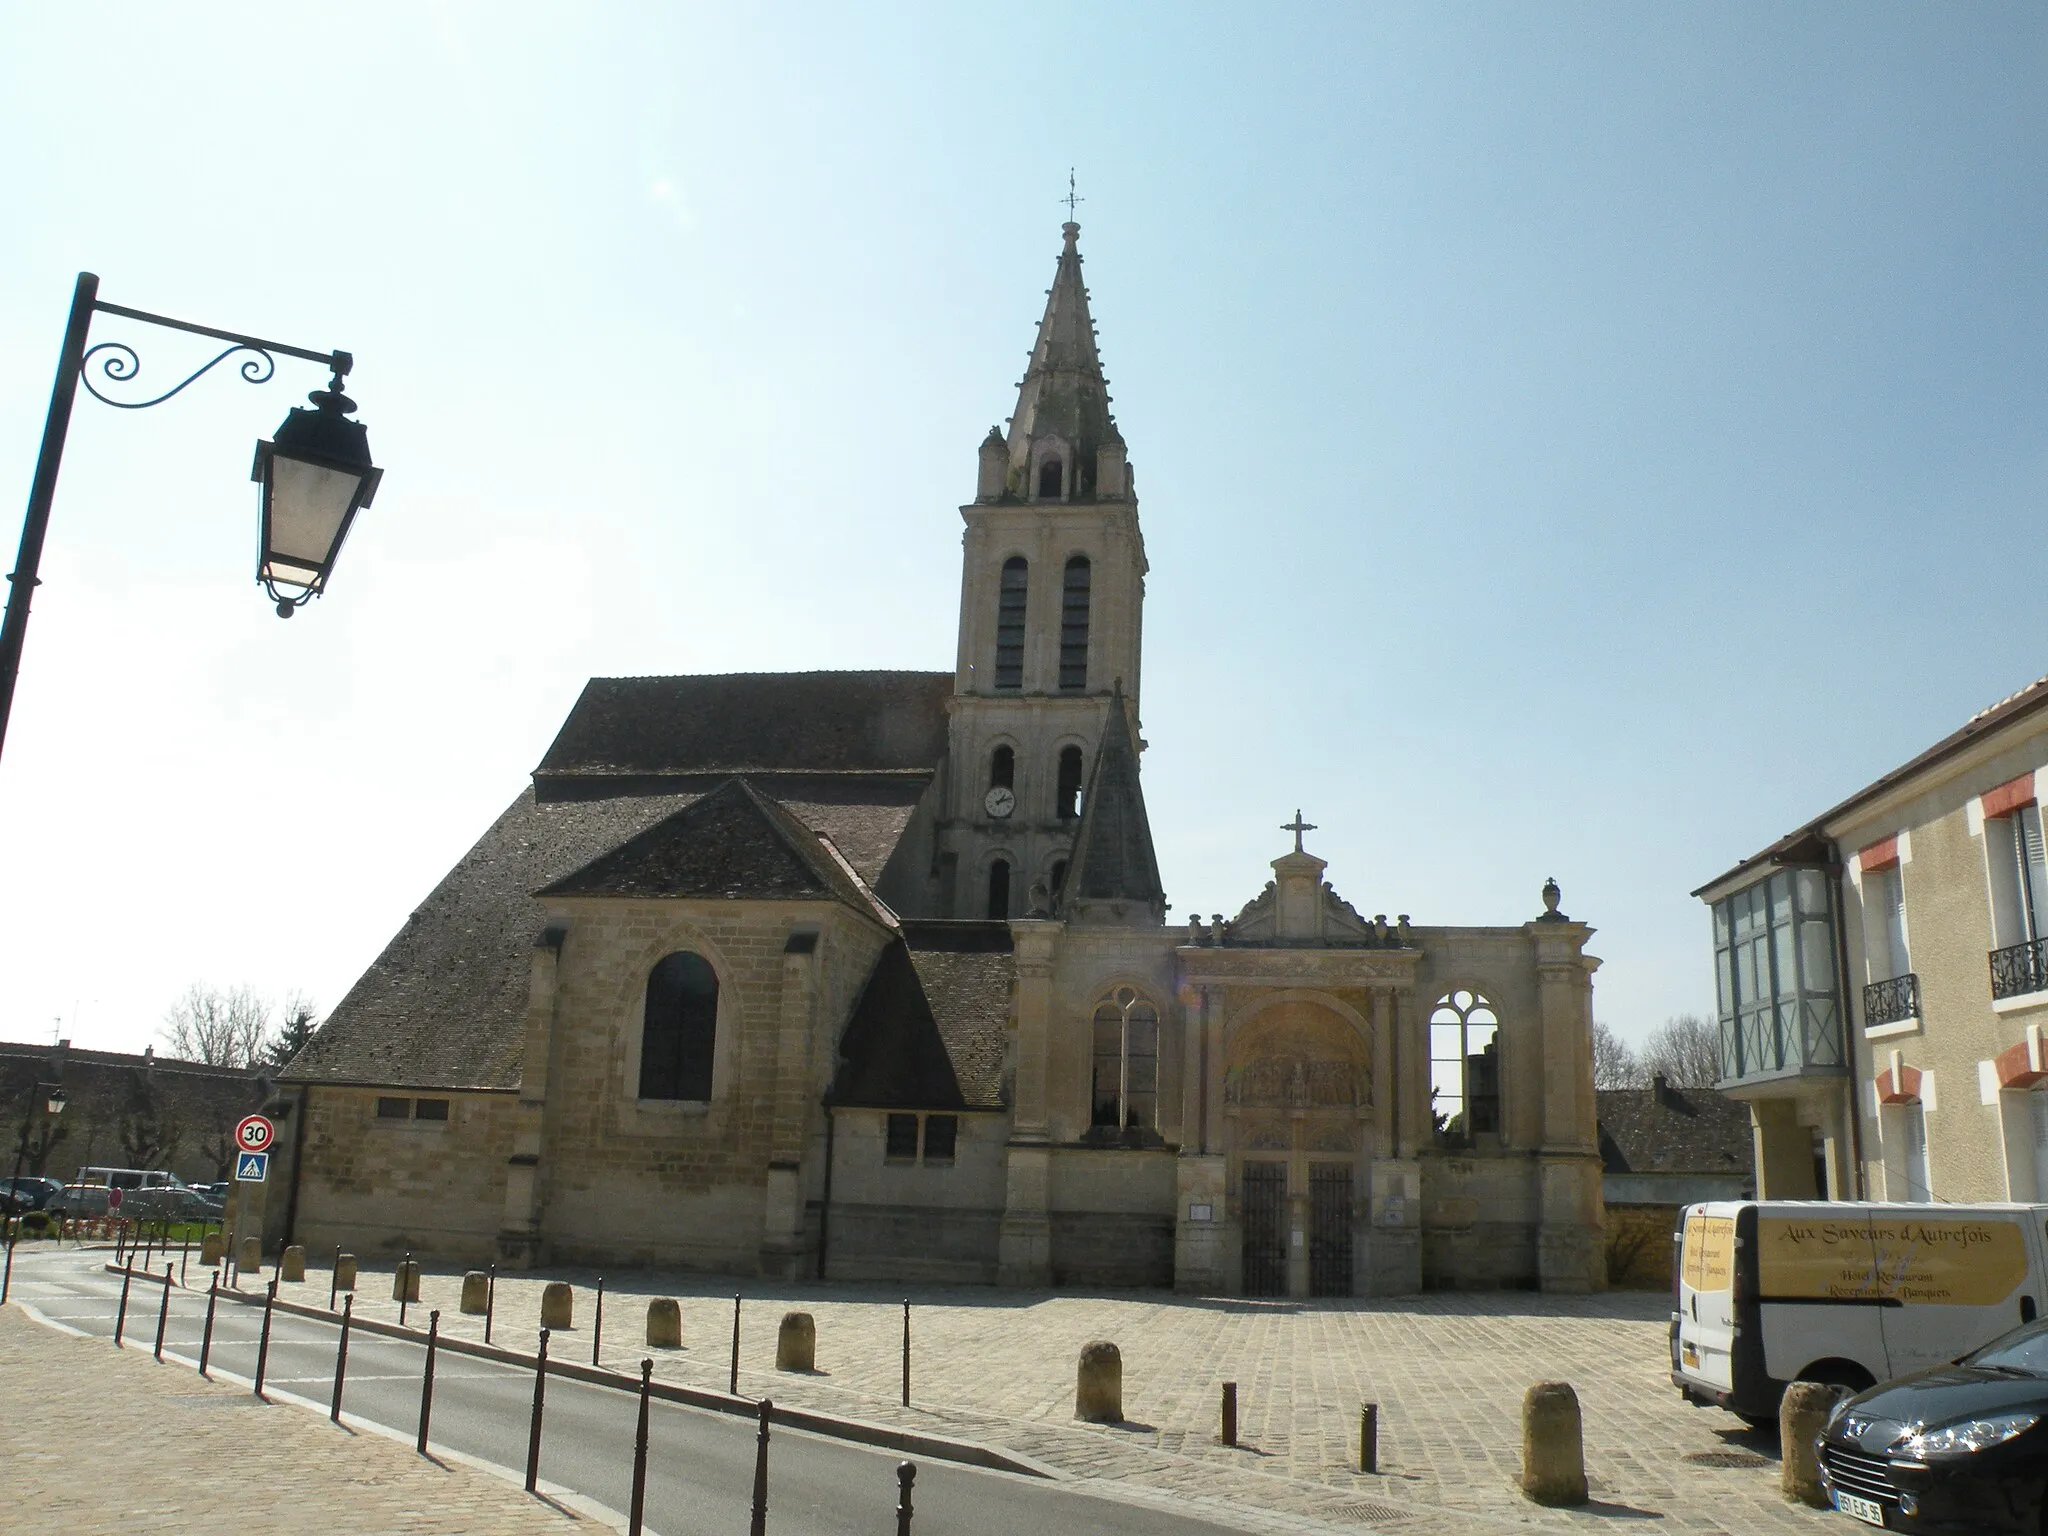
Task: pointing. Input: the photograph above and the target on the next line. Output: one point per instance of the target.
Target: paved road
(700, 1463)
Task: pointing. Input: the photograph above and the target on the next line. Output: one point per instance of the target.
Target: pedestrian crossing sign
(252, 1167)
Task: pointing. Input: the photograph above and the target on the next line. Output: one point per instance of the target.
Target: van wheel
(1839, 1373)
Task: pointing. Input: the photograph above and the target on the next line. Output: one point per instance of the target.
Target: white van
(1772, 1292)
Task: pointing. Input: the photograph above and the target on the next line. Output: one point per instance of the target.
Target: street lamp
(53, 1106)
(316, 472)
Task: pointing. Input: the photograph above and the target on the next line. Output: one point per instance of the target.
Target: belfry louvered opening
(1074, 626)
(1010, 597)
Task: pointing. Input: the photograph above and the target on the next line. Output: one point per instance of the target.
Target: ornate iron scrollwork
(121, 364)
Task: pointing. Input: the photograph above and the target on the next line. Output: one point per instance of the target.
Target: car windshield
(2024, 1349)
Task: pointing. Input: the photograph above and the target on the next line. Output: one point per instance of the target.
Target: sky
(1574, 440)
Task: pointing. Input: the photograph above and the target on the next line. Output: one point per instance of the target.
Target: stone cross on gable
(1297, 827)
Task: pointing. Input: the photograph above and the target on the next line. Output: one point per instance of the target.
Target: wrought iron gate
(1264, 1213)
(1329, 1229)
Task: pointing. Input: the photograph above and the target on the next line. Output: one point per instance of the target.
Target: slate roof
(813, 723)
(928, 1031)
(1113, 854)
(734, 844)
(444, 1005)
(1674, 1130)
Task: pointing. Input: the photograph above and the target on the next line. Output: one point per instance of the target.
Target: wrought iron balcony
(1888, 1002)
(2019, 969)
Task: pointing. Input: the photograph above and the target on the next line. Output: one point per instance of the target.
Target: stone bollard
(212, 1248)
(557, 1305)
(476, 1293)
(1099, 1384)
(405, 1281)
(664, 1324)
(345, 1272)
(796, 1343)
(1802, 1414)
(1553, 1445)
(251, 1260)
(292, 1264)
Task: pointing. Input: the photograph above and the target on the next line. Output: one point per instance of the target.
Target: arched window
(1059, 881)
(1002, 768)
(1126, 1062)
(1464, 1069)
(1074, 627)
(999, 888)
(1067, 797)
(1049, 479)
(680, 1028)
(1010, 623)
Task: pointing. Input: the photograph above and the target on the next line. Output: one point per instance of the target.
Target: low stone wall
(1112, 1248)
(907, 1242)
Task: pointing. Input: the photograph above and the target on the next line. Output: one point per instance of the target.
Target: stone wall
(905, 1219)
(384, 1186)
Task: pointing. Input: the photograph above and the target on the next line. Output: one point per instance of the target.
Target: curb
(971, 1453)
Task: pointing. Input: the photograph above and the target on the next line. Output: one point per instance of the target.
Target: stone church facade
(869, 975)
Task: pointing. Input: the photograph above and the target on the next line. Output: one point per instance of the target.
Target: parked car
(78, 1200)
(169, 1203)
(1960, 1447)
(31, 1192)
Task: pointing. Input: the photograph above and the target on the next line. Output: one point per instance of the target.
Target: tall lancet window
(679, 1033)
(1010, 596)
(1074, 627)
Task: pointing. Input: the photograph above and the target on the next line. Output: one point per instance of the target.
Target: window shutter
(1918, 1186)
(1895, 921)
(2033, 869)
(2037, 1105)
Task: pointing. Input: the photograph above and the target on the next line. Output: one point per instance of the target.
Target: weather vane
(1072, 199)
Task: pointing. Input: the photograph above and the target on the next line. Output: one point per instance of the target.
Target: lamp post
(53, 1106)
(316, 472)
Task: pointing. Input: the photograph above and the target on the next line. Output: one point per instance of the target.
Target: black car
(25, 1194)
(1960, 1448)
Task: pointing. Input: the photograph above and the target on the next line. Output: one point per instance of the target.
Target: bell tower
(1052, 591)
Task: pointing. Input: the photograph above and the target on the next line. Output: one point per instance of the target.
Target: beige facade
(1927, 896)
(935, 1024)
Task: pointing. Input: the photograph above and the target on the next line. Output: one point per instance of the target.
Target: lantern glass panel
(309, 503)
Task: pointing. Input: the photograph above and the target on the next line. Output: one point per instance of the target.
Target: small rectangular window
(940, 1134)
(394, 1109)
(902, 1139)
(430, 1109)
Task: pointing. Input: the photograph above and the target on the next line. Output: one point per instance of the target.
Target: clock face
(1000, 801)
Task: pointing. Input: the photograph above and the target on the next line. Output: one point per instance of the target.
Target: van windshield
(2024, 1350)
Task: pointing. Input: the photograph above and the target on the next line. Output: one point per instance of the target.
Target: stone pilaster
(520, 1239)
(1024, 1241)
(785, 1243)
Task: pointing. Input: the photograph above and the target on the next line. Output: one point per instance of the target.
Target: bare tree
(1614, 1061)
(1687, 1050)
(221, 1027)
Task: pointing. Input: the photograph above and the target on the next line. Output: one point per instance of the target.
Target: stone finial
(1099, 1384)
(1407, 942)
(1552, 893)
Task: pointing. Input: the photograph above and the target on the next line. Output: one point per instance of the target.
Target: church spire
(1113, 855)
(1063, 421)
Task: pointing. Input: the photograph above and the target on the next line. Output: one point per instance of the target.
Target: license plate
(1869, 1511)
(1690, 1354)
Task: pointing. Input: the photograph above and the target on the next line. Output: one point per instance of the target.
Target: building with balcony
(1882, 978)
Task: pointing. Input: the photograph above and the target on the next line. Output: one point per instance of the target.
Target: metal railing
(2019, 968)
(1890, 1002)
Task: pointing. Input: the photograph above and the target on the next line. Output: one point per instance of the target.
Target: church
(869, 975)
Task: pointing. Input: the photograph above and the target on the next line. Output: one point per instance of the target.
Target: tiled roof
(928, 1031)
(1673, 1130)
(444, 1004)
(734, 844)
(1113, 854)
(751, 722)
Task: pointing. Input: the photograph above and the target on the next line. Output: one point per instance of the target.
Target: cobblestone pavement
(96, 1440)
(1448, 1371)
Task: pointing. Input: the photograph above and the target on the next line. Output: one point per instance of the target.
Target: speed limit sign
(254, 1134)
